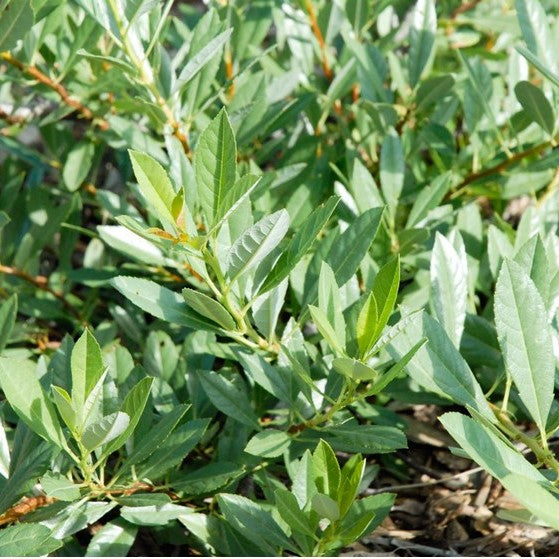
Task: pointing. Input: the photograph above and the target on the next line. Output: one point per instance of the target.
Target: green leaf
(432, 91)
(378, 306)
(227, 398)
(326, 470)
(351, 476)
(173, 450)
(233, 198)
(201, 58)
(299, 244)
(269, 443)
(27, 540)
(354, 369)
(8, 314)
(367, 322)
(525, 339)
(209, 308)
(156, 188)
(256, 243)
(215, 164)
(269, 377)
(449, 287)
(536, 105)
(326, 507)
(438, 366)
(329, 301)
(87, 368)
(392, 170)
(77, 165)
(249, 518)
(21, 387)
(487, 449)
(350, 248)
(16, 19)
(428, 199)
(59, 487)
(290, 512)
(105, 430)
(367, 439)
(133, 407)
(326, 329)
(153, 515)
(114, 539)
(148, 444)
(422, 38)
(208, 479)
(532, 19)
(63, 403)
(535, 496)
(160, 302)
(552, 76)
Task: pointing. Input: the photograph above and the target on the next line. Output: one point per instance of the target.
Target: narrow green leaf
(438, 366)
(552, 76)
(428, 199)
(329, 301)
(208, 307)
(326, 329)
(148, 444)
(392, 170)
(87, 368)
(299, 244)
(449, 287)
(27, 540)
(160, 302)
(63, 403)
(215, 164)
(227, 398)
(525, 339)
(326, 507)
(349, 249)
(24, 393)
(201, 58)
(326, 470)
(16, 19)
(133, 407)
(536, 105)
(105, 430)
(114, 539)
(155, 187)
(290, 512)
(422, 38)
(256, 243)
(8, 313)
(532, 19)
(269, 443)
(367, 322)
(248, 518)
(353, 369)
(59, 487)
(77, 165)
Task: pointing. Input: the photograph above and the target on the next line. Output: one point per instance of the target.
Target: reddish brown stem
(318, 34)
(41, 282)
(67, 99)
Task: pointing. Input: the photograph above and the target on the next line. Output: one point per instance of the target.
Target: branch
(40, 282)
(318, 34)
(35, 73)
(503, 164)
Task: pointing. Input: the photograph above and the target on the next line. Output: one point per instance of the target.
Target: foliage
(232, 236)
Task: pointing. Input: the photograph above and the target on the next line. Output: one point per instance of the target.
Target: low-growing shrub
(239, 240)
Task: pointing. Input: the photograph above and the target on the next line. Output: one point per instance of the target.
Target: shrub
(263, 223)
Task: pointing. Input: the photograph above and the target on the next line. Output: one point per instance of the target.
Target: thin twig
(503, 165)
(35, 73)
(318, 34)
(41, 282)
(405, 487)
